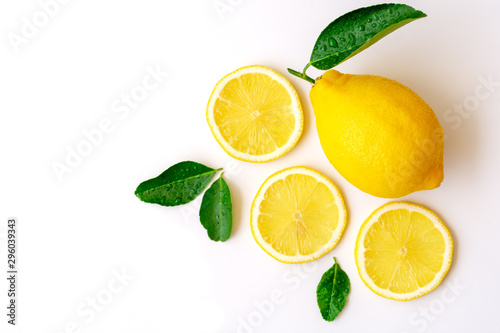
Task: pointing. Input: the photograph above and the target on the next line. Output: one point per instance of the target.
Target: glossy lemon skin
(379, 134)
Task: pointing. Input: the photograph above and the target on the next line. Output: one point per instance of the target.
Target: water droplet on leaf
(332, 42)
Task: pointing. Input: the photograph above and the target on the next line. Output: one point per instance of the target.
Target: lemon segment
(298, 215)
(403, 251)
(255, 114)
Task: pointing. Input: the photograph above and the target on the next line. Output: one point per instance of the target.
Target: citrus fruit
(379, 135)
(255, 114)
(403, 251)
(298, 215)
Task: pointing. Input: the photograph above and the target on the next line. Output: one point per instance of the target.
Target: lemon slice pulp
(403, 251)
(255, 114)
(298, 215)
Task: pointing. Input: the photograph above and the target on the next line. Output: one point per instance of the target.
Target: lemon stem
(303, 74)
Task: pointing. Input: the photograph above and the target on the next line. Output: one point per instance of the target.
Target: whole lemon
(379, 134)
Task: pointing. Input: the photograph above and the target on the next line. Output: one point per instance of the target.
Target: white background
(77, 233)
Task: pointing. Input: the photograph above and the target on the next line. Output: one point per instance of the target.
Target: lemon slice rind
(296, 107)
(359, 250)
(336, 234)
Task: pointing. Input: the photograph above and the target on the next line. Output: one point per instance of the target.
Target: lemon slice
(298, 215)
(403, 251)
(255, 114)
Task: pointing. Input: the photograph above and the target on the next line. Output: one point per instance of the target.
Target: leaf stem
(305, 68)
(303, 74)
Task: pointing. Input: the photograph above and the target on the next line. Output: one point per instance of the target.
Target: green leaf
(355, 31)
(177, 185)
(216, 211)
(332, 292)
